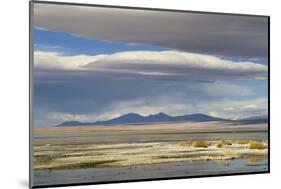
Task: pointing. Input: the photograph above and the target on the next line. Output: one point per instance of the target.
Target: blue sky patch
(68, 44)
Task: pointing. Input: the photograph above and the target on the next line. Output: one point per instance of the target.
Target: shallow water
(167, 170)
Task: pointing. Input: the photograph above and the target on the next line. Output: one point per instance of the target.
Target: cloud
(89, 88)
(41, 28)
(227, 89)
(241, 109)
(162, 64)
(229, 35)
(88, 96)
(229, 109)
(178, 64)
(179, 81)
(54, 60)
(226, 108)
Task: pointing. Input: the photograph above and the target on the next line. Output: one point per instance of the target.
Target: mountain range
(133, 118)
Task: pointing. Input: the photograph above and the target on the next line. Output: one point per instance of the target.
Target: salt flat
(154, 132)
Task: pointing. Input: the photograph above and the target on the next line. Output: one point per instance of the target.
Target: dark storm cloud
(84, 92)
(202, 33)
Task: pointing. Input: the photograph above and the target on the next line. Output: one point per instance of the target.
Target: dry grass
(120, 154)
(257, 145)
(200, 144)
(242, 142)
(226, 142)
(219, 145)
(186, 143)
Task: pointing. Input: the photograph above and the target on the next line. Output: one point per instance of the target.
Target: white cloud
(66, 117)
(229, 109)
(54, 60)
(239, 109)
(163, 63)
(174, 58)
(41, 28)
(227, 89)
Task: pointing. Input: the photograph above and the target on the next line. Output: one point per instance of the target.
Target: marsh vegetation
(53, 157)
(125, 146)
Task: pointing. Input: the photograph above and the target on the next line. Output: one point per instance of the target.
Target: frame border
(31, 54)
(31, 85)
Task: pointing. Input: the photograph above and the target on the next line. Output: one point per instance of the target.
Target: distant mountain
(72, 123)
(256, 117)
(197, 118)
(252, 120)
(127, 118)
(133, 118)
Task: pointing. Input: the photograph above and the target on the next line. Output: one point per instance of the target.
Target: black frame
(31, 53)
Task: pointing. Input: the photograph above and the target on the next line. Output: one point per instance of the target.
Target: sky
(96, 63)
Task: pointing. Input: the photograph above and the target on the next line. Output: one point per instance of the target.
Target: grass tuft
(257, 145)
(219, 145)
(226, 142)
(200, 143)
(242, 142)
(186, 143)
